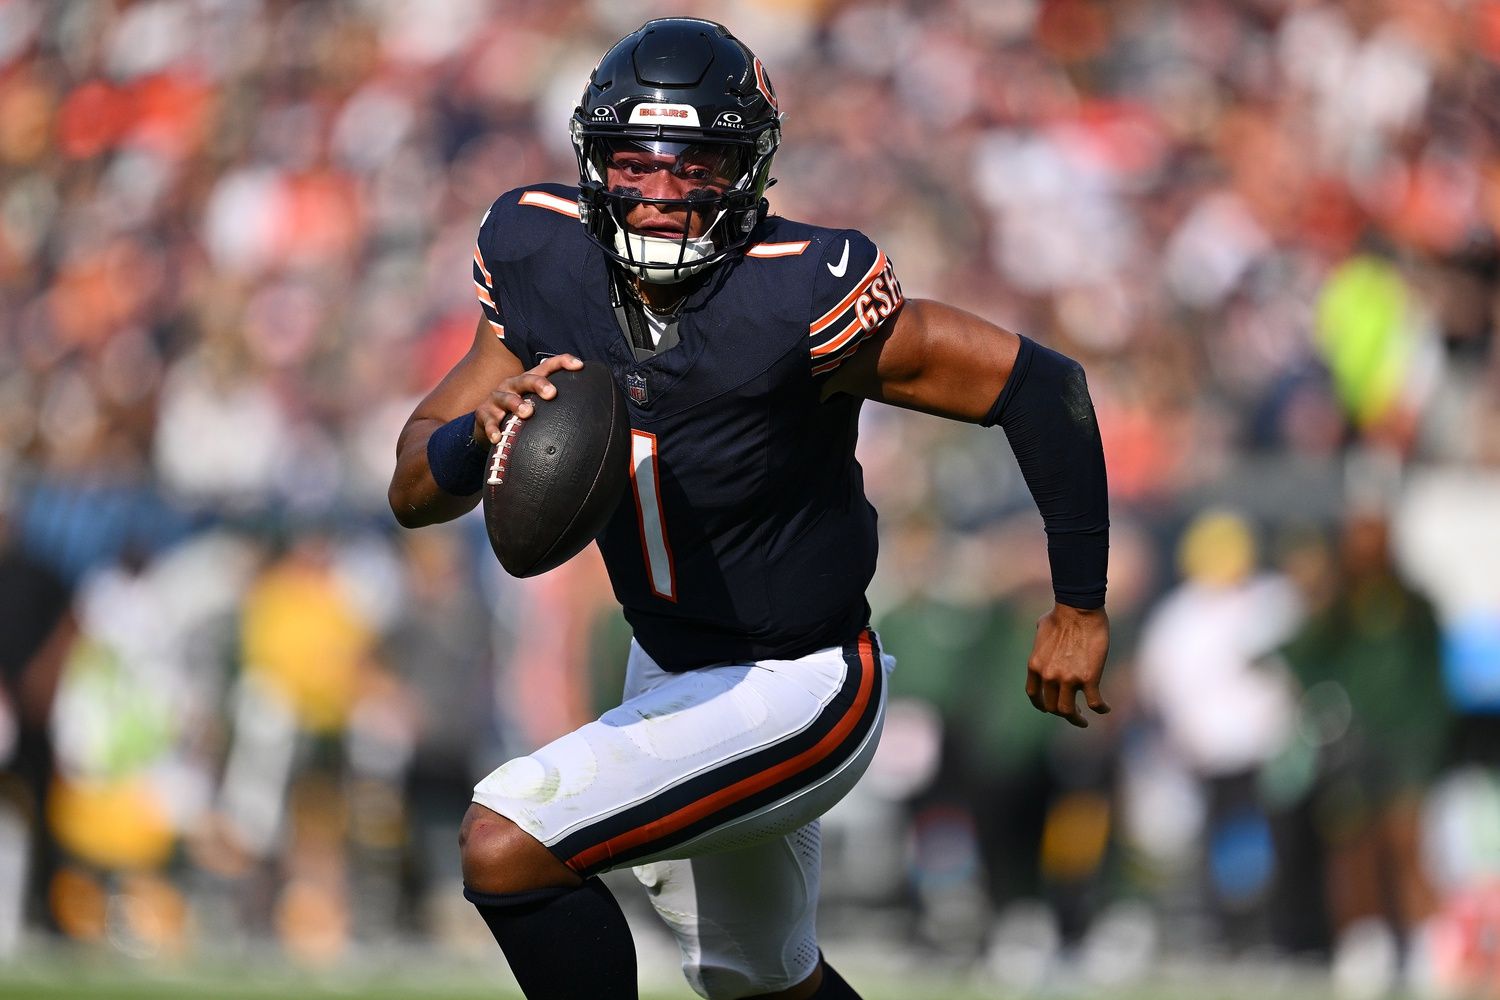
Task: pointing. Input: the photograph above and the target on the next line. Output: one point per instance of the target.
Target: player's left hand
(1068, 657)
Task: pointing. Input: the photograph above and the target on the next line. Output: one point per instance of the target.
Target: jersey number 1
(646, 483)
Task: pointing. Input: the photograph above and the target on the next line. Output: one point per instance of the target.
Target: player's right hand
(510, 396)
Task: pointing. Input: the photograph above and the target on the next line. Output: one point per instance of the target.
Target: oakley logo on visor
(604, 113)
(729, 119)
(664, 114)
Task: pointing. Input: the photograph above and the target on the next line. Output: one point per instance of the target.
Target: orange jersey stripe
(478, 259)
(849, 333)
(484, 295)
(499, 330)
(830, 363)
(551, 202)
(725, 797)
(828, 318)
(777, 249)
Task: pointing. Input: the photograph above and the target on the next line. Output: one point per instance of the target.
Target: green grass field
(86, 989)
(88, 980)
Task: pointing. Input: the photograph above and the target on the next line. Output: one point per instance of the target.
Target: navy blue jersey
(746, 533)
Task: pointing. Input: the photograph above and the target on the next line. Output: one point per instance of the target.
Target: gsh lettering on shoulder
(880, 300)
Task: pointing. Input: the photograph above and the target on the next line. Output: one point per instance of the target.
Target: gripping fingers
(557, 363)
(512, 395)
(492, 414)
(529, 383)
(535, 380)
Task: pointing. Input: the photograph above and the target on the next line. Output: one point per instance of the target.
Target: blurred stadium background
(241, 711)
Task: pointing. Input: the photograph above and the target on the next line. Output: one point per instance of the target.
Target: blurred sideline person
(1368, 660)
(1214, 631)
(755, 688)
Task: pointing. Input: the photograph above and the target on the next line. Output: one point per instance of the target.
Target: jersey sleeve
(484, 279)
(854, 293)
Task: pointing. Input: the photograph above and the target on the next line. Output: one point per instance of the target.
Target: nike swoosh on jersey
(838, 272)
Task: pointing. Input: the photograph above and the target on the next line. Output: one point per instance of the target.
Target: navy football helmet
(684, 97)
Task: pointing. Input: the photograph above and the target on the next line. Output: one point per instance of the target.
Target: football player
(754, 692)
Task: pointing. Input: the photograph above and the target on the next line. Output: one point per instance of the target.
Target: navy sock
(834, 987)
(564, 944)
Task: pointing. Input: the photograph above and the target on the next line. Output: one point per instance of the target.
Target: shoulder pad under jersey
(518, 225)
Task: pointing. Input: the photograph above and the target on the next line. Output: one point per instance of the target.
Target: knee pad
(744, 920)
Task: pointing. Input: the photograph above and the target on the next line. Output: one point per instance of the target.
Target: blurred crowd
(239, 705)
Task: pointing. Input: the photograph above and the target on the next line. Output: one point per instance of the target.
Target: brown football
(554, 479)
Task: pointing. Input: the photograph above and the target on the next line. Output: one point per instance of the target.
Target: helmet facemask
(665, 210)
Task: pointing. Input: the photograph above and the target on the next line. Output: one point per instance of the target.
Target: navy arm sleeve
(1048, 417)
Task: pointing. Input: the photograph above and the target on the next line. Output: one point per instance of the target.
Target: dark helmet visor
(707, 166)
